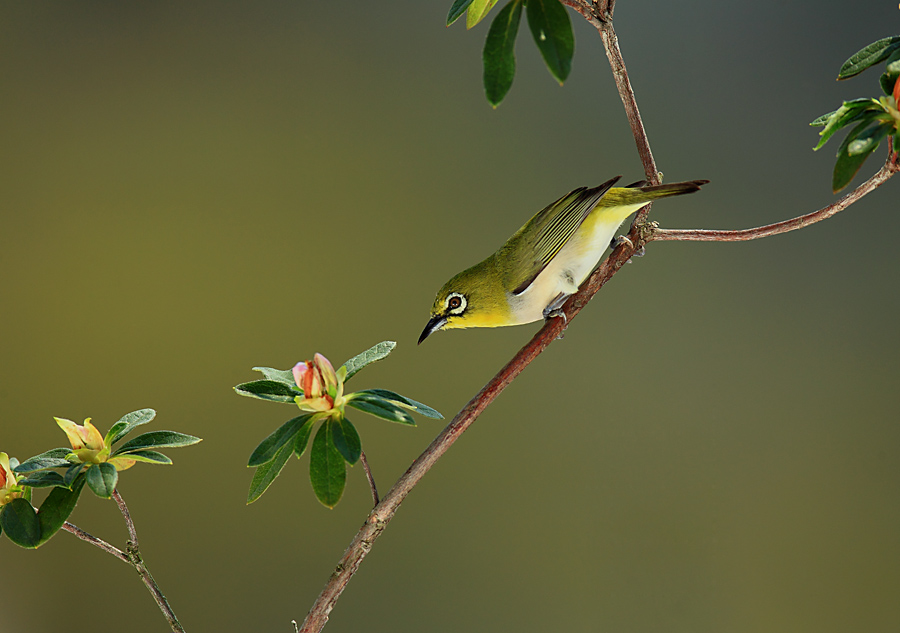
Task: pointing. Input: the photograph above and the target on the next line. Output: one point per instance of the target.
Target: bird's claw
(551, 313)
(621, 239)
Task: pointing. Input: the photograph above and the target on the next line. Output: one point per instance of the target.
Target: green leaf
(849, 112)
(43, 462)
(72, 474)
(374, 353)
(21, 524)
(127, 424)
(327, 472)
(268, 390)
(478, 9)
(868, 141)
(457, 9)
(156, 439)
(44, 479)
(418, 407)
(149, 457)
(847, 164)
(381, 408)
(102, 479)
(266, 474)
(346, 439)
(499, 52)
(869, 56)
(822, 120)
(552, 31)
(272, 444)
(303, 438)
(891, 71)
(57, 507)
(284, 376)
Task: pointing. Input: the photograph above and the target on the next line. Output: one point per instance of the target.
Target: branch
(890, 167)
(372, 487)
(382, 514)
(93, 540)
(600, 15)
(133, 557)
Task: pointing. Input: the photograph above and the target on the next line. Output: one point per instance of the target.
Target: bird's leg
(554, 309)
(620, 239)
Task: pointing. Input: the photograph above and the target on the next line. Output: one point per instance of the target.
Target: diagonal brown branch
(599, 15)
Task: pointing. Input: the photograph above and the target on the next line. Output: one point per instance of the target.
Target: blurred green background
(192, 189)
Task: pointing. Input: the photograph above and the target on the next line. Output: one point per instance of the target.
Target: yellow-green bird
(531, 275)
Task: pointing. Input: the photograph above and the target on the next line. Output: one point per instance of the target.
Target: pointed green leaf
(40, 462)
(552, 31)
(381, 408)
(822, 120)
(72, 474)
(869, 56)
(848, 113)
(888, 78)
(418, 407)
(149, 457)
(478, 9)
(499, 52)
(457, 9)
(848, 165)
(20, 522)
(57, 507)
(868, 141)
(156, 439)
(127, 423)
(284, 376)
(266, 474)
(102, 479)
(44, 479)
(272, 444)
(269, 390)
(327, 471)
(346, 439)
(374, 353)
(53, 453)
(303, 438)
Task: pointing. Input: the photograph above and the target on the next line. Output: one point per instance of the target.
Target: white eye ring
(455, 307)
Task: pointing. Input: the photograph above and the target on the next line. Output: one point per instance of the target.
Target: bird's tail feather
(642, 194)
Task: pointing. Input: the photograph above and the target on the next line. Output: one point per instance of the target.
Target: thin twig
(372, 487)
(132, 533)
(93, 540)
(891, 167)
(133, 556)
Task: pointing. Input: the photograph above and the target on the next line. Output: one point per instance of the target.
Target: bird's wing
(538, 242)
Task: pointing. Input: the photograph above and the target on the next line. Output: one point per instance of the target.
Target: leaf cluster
(59, 469)
(872, 120)
(336, 443)
(550, 27)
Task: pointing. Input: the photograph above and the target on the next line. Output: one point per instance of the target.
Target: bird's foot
(554, 310)
(621, 239)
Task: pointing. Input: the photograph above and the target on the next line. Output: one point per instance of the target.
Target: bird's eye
(456, 303)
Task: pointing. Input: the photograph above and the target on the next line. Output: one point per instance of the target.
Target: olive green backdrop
(189, 189)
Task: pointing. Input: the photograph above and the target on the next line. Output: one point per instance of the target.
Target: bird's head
(473, 298)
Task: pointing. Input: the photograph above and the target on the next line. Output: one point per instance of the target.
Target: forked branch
(599, 15)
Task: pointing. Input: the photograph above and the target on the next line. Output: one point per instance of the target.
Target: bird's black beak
(435, 324)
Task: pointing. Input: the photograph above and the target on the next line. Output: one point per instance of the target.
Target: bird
(531, 275)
